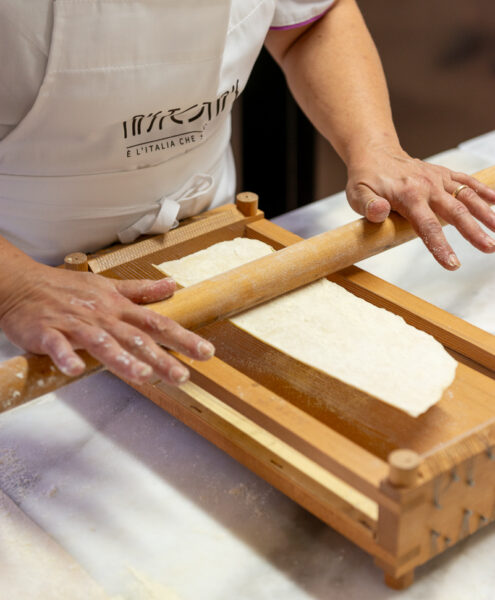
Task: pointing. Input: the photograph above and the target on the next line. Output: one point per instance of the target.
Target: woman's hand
(389, 179)
(52, 311)
(335, 74)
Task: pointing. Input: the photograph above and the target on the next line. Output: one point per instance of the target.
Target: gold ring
(459, 189)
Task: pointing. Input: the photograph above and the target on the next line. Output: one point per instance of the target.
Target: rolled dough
(328, 328)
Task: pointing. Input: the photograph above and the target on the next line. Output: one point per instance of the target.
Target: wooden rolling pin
(26, 377)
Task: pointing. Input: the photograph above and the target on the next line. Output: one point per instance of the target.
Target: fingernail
(179, 374)
(206, 350)
(368, 204)
(142, 371)
(490, 242)
(454, 261)
(72, 366)
(169, 280)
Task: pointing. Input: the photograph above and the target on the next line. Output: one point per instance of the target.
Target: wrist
(16, 270)
(367, 150)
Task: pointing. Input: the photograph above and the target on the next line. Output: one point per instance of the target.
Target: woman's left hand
(389, 179)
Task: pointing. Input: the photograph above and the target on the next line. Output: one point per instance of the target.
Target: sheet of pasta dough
(326, 327)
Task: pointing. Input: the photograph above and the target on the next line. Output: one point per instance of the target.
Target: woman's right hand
(52, 311)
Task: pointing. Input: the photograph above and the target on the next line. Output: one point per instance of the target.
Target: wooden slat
(271, 234)
(297, 467)
(268, 457)
(368, 422)
(454, 427)
(486, 176)
(345, 459)
(449, 330)
(195, 230)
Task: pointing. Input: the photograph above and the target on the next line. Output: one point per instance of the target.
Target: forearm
(335, 74)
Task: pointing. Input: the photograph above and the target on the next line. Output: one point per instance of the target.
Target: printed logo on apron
(170, 130)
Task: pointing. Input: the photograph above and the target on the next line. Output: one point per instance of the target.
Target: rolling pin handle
(404, 465)
(77, 261)
(247, 203)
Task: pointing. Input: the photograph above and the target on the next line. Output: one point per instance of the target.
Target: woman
(116, 122)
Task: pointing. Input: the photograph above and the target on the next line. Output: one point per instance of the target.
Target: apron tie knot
(194, 196)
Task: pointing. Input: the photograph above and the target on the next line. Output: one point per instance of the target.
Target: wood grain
(302, 430)
(368, 422)
(244, 287)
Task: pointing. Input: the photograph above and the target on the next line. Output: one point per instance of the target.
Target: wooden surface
(350, 436)
(296, 427)
(135, 261)
(371, 424)
(466, 407)
(306, 482)
(460, 432)
(315, 438)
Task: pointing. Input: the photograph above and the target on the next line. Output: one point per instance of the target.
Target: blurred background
(439, 59)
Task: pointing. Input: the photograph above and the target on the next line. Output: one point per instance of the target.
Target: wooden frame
(342, 465)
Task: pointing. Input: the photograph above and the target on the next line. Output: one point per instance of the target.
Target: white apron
(130, 130)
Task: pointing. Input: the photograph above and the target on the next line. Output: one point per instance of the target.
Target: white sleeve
(294, 13)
